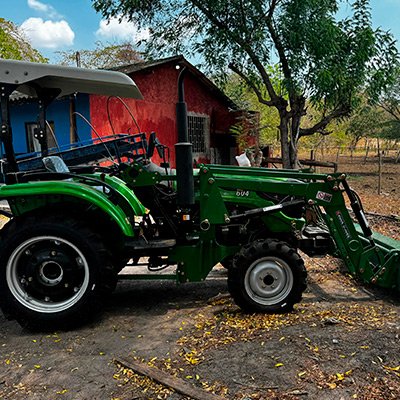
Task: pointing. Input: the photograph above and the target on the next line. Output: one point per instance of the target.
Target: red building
(210, 112)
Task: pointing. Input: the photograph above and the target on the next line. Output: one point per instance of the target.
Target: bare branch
(394, 113)
(251, 84)
(322, 124)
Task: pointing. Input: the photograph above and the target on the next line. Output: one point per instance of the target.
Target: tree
(390, 103)
(321, 59)
(13, 44)
(390, 100)
(367, 121)
(102, 56)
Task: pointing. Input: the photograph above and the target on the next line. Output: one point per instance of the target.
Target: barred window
(198, 132)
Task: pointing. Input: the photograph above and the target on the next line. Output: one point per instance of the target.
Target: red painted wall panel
(156, 112)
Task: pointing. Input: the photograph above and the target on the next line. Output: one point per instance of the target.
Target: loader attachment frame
(372, 257)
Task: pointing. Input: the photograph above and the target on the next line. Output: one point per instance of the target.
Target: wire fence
(365, 154)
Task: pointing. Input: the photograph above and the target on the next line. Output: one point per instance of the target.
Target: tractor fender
(120, 186)
(119, 211)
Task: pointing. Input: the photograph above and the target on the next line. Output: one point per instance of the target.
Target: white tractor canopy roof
(30, 78)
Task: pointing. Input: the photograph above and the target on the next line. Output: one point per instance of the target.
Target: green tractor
(73, 228)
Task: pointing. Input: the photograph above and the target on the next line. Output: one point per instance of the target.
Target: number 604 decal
(242, 193)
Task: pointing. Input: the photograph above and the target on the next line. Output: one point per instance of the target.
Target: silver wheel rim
(47, 274)
(268, 281)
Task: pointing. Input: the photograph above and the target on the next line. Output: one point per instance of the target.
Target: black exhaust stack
(183, 151)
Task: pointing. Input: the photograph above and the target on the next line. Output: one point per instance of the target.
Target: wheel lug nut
(28, 253)
(53, 253)
(47, 299)
(30, 279)
(76, 289)
(79, 260)
(66, 285)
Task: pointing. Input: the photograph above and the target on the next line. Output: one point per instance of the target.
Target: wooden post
(267, 153)
(398, 157)
(366, 155)
(323, 149)
(379, 168)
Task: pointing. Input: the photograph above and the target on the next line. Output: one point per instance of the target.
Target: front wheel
(52, 272)
(267, 276)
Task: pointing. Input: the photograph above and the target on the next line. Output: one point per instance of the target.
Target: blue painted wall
(57, 112)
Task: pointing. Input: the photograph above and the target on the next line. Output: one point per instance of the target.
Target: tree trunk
(366, 154)
(294, 137)
(290, 131)
(285, 145)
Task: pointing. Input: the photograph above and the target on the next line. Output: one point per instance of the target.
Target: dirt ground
(341, 342)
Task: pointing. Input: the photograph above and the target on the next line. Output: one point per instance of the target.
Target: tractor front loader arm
(372, 257)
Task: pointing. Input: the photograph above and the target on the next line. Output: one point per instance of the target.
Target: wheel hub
(51, 273)
(268, 280)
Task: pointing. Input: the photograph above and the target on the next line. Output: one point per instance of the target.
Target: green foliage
(367, 121)
(390, 101)
(390, 130)
(102, 56)
(13, 45)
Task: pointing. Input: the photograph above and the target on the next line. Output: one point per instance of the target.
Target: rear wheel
(52, 272)
(267, 276)
(227, 262)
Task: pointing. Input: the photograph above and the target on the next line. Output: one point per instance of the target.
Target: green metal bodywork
(27, 197)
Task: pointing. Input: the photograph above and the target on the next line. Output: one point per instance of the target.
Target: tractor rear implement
(75, 227)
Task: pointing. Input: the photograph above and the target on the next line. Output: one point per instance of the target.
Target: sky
(60, 25)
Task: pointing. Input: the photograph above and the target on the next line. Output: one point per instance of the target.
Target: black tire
(53, 271)
(267, 276)
(227, 262)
